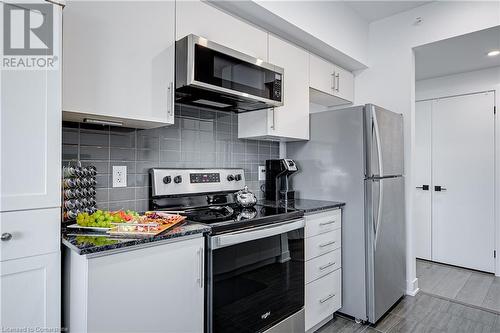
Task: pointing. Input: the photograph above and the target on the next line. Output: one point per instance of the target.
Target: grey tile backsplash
(199, 139)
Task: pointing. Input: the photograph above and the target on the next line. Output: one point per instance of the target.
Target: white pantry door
(423, 180)
(463, 229)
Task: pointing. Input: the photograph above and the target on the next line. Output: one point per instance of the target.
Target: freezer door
(385, 244)
(384, 142)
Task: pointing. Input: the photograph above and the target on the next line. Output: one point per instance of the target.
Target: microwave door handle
(257, 233)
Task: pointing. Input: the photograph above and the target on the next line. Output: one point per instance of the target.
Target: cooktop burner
(230, 217)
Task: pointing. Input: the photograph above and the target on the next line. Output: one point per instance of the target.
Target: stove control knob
(177, 179)
(230, 178)
(167, 179)
(237, 177)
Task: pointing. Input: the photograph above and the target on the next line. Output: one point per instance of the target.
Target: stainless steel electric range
(255, 256)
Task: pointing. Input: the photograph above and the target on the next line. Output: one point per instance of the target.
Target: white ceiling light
(493, 53)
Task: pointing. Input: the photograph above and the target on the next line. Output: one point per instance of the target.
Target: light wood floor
(423, 313)
(463, 285)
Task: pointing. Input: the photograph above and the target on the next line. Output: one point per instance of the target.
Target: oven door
(256, 278)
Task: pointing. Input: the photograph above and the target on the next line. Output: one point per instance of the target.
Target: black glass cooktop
(225, 218)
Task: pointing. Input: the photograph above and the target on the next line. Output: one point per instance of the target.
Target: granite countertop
(306, 205)
(84, 242)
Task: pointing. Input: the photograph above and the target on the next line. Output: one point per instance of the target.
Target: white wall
(459, 84)
(390, 79)
(331, 21)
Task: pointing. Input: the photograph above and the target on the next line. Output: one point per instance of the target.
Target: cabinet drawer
(321, 244)
(323, 265)
(323, 222)
(323, 298)
(33, 232)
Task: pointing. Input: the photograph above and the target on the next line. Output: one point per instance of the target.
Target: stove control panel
(204, 178)
(192, 181)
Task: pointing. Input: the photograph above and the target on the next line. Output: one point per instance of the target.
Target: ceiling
(376, 10)
(458, 54)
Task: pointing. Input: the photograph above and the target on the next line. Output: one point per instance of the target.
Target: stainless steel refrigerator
(355, 155)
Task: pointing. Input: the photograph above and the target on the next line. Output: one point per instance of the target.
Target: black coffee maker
(277, 173)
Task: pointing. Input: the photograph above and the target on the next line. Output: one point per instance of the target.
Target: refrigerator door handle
(377, 143)
(379, 211)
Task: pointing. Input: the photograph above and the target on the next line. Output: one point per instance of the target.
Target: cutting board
(164, 227)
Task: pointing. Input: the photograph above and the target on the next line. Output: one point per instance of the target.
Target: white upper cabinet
(30, 132)
(201, 19)
(330, 85)
(119, 62)
(289, 122)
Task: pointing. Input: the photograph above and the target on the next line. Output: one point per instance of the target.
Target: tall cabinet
(30, 185)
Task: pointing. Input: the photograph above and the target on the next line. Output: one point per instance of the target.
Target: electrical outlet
(119, 176)
(262, 172)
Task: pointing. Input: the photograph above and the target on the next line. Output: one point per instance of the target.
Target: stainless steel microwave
(210, 75)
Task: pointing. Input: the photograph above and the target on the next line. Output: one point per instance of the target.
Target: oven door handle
(238, 237)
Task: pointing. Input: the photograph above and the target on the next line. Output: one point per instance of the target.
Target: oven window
(259, 283)
(224, 71)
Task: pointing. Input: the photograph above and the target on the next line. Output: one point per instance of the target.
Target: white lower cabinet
(30, 289)
(323, 290)
(159, 288)
(323, 298)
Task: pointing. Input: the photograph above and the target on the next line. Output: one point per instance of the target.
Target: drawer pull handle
(6, 236)
(327, 244)
(327, 223)
(323, 300)
(327, 265)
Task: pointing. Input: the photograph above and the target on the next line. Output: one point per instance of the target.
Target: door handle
(439, 188)
(170, 92)
(423, 187)
(6, 236)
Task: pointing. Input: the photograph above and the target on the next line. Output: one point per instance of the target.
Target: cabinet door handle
(273, 125)
(326, 266)
(423, 187)
(201, 277)
(333, 81)
(326, 244)
(6, 236)
(327, 223)
(323, 300)
(337, 86)
(170, 98)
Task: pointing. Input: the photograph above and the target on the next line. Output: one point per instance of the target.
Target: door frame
(496, 93)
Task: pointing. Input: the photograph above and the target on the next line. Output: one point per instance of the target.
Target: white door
(30, 290)
(423, 169)
(119, 68)
(321, 74)
(30, 131)
(167, 280)
(344, 84)
(292, 119)
(463, 165)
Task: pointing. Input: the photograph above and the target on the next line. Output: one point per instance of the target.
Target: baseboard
(412, 287)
